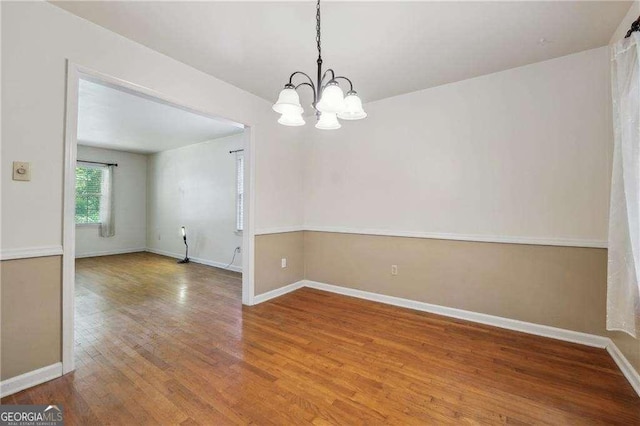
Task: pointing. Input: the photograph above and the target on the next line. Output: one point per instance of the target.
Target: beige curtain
(107, 216)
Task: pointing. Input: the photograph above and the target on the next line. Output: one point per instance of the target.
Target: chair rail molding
(31, 252)
(505, 239)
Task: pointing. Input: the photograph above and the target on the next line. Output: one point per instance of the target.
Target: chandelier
(329, 100)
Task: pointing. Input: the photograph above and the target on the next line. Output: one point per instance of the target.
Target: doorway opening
(157, 211)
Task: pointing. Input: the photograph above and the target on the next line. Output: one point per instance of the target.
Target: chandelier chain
(318, 28)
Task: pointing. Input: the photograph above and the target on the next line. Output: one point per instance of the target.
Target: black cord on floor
(236, 250)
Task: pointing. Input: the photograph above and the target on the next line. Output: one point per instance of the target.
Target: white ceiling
(114, 118)
(387, 48)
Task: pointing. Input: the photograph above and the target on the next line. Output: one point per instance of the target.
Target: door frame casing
(75, 73)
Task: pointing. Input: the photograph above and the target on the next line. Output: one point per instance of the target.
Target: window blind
(239, 191)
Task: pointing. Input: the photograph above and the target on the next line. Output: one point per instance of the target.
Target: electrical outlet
(394, 269)
(239, 249)
(283, 262)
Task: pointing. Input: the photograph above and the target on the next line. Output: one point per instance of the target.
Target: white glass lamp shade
(288, 101)
(328, 121)
(353, 108)
(291, 119)
(332, 100)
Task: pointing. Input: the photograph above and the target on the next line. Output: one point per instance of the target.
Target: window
(239, 191)
(88, 194)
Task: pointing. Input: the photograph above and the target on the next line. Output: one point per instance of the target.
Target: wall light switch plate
(283, 262)
(21, 170)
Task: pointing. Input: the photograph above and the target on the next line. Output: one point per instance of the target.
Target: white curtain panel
(623, 289)
(107, 216)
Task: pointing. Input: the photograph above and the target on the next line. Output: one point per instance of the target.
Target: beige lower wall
(269, 250)
(556, 286)
(562, 287)
(31, 303)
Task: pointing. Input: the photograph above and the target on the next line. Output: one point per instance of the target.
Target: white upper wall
(280, 179)
(195, 186)
(37, 38)
(130, 196)
(521, 153)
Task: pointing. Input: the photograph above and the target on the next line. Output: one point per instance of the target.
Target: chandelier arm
(299, 72)
(313, 89)
(342, 78)
(333, 74)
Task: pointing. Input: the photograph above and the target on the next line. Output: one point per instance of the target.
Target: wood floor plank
(165, 343)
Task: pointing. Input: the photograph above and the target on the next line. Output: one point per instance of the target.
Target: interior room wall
(130, 192)
(279, 180)
(34, 77)
(30, 314)
(270, 250)
(521, 154)
(37, 40)
(519, 159)
(359, 178)
(195, 186)
(556, 286)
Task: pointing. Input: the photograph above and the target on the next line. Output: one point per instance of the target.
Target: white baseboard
(196, 260)
(32, 378)
(625, 366)
(36, 377)
(277, 292)
(510, 324)
(110, 252)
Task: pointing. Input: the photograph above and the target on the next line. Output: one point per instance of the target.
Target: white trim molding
(586, 339)
(32, 378)
(280, 230)
(196, 260)
(110, 252)
(29, 252)
(540, 241)
(74, 73)
(278, 292)
(625, 366)
(36, 377)
(510, 324)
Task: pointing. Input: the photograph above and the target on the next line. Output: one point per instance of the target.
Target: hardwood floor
(162, 343)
